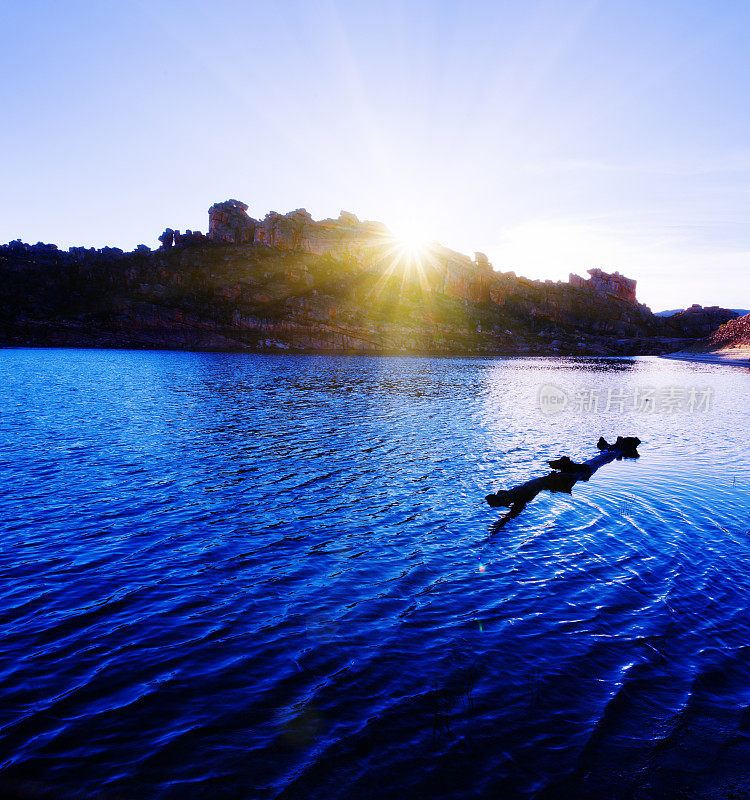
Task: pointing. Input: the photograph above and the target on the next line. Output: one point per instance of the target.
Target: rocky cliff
(289, 283)
(368, 245)
(606, 283)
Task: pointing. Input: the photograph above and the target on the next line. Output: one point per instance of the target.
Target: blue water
(260, 576)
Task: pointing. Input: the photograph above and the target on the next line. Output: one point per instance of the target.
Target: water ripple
(275, 577)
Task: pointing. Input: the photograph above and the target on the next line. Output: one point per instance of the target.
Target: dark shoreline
(172, 348)
(337, 353)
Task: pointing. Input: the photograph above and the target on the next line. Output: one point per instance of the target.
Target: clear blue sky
(554, 136)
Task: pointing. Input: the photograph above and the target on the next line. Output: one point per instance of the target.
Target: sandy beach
(733, 356)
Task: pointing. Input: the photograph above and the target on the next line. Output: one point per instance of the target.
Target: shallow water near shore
(276, 576)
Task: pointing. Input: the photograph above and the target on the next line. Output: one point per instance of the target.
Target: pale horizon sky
(553, 136)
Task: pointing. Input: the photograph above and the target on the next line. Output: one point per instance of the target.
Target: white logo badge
(552, 399)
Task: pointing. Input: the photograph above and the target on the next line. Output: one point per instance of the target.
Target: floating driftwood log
(565, 476)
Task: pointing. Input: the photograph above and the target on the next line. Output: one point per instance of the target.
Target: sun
(410, 244)
(412, 249)
(406, 256)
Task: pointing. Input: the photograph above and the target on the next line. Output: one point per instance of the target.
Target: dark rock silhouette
(167, 239)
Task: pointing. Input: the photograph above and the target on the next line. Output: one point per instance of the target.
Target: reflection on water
(275, 577)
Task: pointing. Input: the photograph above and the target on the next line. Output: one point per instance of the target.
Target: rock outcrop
(367, 244)
(456, 275)
(606, 283)
(230, 223)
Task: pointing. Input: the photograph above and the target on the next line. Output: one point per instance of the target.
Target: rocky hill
(698, 322)
(735, 333)
(290, 283)
(739, 312)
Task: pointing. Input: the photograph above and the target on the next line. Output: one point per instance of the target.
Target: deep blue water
(250, 576)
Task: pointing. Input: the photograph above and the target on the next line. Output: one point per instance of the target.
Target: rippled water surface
(248, 576)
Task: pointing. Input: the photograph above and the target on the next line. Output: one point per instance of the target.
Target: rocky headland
(288, 283)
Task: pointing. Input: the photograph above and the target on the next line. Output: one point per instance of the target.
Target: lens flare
(412, 248)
